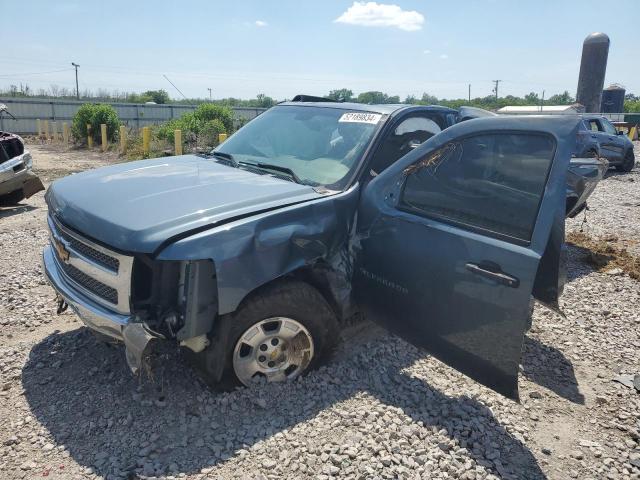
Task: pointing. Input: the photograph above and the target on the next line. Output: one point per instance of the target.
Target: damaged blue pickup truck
(252, 256)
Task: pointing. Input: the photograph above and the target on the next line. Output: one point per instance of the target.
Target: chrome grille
(102, 258)
(103, 291)
(98, 272)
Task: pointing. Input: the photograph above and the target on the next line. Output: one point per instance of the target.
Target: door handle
(594, 136)
(492, 271)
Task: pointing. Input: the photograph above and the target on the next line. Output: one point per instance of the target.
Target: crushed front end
(128, 298)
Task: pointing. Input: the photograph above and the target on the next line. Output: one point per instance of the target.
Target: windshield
(321, 146)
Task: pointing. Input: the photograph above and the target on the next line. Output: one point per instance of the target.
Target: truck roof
(385, 109)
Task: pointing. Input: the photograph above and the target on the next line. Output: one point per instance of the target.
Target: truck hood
(136, 206)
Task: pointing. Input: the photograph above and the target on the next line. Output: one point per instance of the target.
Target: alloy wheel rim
(275, 349)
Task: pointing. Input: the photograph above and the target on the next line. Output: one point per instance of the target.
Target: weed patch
(606, 253)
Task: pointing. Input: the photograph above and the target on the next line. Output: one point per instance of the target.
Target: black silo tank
(613, 99)
(595, 51)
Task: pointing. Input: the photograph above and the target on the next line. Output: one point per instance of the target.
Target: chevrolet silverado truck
(251, 257)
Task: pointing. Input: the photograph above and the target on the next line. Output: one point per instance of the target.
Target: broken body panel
(15, 169)
(461, 293)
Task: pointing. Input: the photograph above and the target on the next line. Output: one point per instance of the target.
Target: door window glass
(407, 135)
(490, 182)
(594, 125)
(610, 129)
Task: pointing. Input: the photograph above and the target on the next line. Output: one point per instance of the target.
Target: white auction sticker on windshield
(360, 117)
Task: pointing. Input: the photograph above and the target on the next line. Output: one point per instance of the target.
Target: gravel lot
(378, 409)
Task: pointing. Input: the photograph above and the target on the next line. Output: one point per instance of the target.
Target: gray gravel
(379, 409)
(615, 210)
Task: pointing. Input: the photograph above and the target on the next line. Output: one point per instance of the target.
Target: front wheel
(275, 349)
(278, 335)
(628, 162)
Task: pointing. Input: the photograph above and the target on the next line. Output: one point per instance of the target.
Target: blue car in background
(597, 137)
(251, 257)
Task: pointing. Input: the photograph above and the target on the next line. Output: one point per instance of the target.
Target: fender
(251, 252)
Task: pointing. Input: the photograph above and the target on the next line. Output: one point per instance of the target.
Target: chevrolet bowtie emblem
(63, 253)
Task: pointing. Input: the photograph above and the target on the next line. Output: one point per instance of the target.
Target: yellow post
(222, 137)
(177, 135)
(633, 132)
(39, 127)
(89, 137)
(123, 139)
(54, 131)
(45, 129)
(65, 133)
(103, 135)
(146, 138)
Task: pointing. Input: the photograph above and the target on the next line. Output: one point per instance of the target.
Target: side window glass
(491, 182)
(410, 133)
(593, 126)
(610, 129)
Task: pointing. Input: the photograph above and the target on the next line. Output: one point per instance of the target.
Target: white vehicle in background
(17, 181)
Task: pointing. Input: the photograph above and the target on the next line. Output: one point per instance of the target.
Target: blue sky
(284, 47)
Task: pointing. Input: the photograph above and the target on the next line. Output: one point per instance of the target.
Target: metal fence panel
(133, 115)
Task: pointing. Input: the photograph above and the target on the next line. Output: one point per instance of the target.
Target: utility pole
(77, 90)
(542, 101)
(496, 88)
(469, 93)
(209, 94)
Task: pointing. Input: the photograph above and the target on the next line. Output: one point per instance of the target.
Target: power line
(174, 86)
(32, 73)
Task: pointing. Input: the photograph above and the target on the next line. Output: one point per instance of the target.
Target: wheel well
(322, 278)
(319, 277)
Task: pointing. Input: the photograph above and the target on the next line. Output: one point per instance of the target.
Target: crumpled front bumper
(99, 319)
(16, 174)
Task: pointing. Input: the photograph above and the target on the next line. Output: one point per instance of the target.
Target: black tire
(628, 163)
(12, 198)
(290, 299)
(532, 304)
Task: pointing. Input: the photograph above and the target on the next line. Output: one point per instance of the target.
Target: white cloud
(261, 23)
(426, 52)
(372, 14)
(444, 56)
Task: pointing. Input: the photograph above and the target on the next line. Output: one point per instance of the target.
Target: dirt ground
(379, 409)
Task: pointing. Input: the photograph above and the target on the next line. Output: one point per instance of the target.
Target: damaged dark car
(17, 181)
(251, 257)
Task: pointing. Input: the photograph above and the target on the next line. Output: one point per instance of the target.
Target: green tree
(372, 97)
(564, 98)
(632, 106)
(265, 101)
(158, 96)
(94, 115)
(342, 95)
(200, 127)
(209, 111)
(428, 99)
(532, 98)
